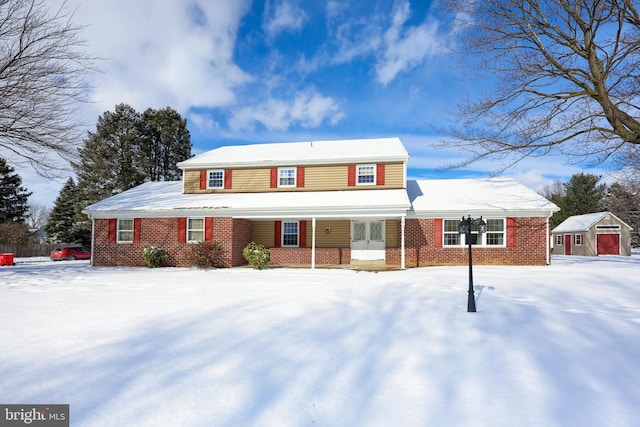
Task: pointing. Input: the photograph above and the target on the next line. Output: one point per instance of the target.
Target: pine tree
(60, 227)
(583, 195)
(165, 142)
(13, 197)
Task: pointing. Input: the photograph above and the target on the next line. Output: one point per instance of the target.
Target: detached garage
(594, 234)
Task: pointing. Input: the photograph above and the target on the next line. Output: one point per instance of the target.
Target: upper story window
(366, 174)
(215, 179)
(125, 231)
(286, 177)
(195, 229)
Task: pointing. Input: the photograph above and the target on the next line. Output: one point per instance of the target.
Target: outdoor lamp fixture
(465, 228)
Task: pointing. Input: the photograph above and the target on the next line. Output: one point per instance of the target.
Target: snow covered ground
(549, 346)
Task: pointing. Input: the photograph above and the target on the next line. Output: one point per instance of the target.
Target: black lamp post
(465, 228)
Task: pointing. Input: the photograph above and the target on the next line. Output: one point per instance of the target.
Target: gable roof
(584, 222)
(439, 198)
(158, 199)
(301, 153)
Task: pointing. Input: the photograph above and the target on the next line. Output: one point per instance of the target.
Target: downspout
(548, 242)
(93, 239)
(313, 243)
(402, 224)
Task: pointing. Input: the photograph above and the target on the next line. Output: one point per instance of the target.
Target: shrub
(208, 255)
(154, 256)
(256, 255)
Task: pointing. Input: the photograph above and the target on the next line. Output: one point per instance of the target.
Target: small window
(215, 179)
(451, 235)
(495, 232)
(366, 174)
(125, 231)
(195, 229)
(559, 239)
(290, 234)
(286, 177)
(578, 238)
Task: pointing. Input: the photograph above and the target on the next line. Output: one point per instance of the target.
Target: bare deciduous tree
(568, 78)
(42, 71)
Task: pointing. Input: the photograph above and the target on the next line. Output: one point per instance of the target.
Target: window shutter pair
(227, 179)
(302, 234)
(273, 178)
(112, 230)
(351, 175)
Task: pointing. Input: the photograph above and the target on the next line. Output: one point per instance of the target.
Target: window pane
(495, 225)
(366, 174)
(125, 230)
(195, 230)
(451, 239)
(216, 179)
(496, 239)
(451, 225)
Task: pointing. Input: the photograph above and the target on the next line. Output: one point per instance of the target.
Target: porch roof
(154, 199)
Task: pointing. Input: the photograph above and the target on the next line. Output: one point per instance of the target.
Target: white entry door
(367, 240)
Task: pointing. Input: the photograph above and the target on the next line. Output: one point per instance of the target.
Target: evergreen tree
(583, 195)
(623, 202)
(60, 227)
(165, 142)
(13, 197)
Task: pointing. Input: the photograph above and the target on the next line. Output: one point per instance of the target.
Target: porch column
(402, 242)
(313, 242)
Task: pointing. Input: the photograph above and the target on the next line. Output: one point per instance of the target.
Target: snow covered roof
(154, 199)
(438, 198)
(301, 153)
(583, 222)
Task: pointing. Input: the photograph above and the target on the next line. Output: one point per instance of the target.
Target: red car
(70, 252)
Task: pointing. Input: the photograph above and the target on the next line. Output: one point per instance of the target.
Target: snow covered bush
(256, 255)
(154, 256)
(208, 255)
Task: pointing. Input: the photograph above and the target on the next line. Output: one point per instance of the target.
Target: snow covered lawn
(549, 346)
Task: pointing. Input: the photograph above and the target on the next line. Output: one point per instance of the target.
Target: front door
(367, 240)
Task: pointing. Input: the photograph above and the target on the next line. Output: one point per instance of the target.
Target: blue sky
(245, 71)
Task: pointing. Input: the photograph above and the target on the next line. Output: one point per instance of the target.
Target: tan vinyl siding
(393, 228)
(317, 178)
(339, 235)
(262, 233)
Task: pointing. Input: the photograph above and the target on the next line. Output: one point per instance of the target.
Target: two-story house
(319, 203)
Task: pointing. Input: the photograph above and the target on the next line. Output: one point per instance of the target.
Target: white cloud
(179, 54)
(285, 16)
(307, 109)
(405, 48)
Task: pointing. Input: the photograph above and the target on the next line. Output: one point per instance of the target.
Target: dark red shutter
(208, 229)
(227, 179)
(136, 230)
(437, 230)
(302, 240)
(351, 176)
(112, 229)
(511, 232)
(380, 174)
(277, 235)
(300, 177)
(203, 180)
(182, 230)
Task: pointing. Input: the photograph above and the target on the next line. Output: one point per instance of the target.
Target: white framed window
(287, 177)
(494, 236)
(578, 238)
(215, 179)
(559, 239)
(125, 231)
(195, 230)
(290, 231)
(365, 174)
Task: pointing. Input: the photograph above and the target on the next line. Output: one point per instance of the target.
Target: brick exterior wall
(232, 234)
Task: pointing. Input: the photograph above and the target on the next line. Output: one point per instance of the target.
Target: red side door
(568, 239)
